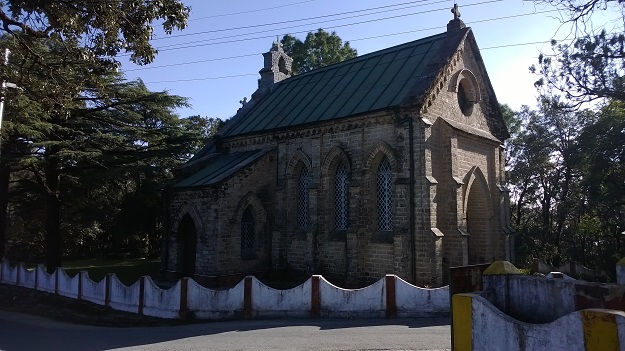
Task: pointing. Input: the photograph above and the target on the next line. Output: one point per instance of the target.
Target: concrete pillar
(184, 299)
(315, 297)
(141, 295)
(391, 302)
(495, 283)
(620, 272)
(247, 297)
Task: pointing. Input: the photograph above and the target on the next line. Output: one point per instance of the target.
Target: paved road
(21, 332)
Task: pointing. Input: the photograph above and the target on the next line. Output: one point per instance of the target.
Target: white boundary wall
(207, 303)
(488, 328)
(258, 300)
(68, 286)
(366, 302)
(124, 298)
(270, 302)
(413, 301)
(161, 303)
(9, 274)
(93, 291)
(497, 331)
(28, 278)
(45, 282)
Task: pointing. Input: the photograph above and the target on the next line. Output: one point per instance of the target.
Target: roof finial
(277, 45)
(456, 11)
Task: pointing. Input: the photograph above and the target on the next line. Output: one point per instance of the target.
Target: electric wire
(350, 40)
(273, 30)
(308, 30)
(251, 11)
(255, 74)
(301, 19)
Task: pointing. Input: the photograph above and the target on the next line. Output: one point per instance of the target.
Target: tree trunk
(53, 222)
(4, 203)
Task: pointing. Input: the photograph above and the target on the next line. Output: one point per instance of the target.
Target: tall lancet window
(385, 195)
(247, 234)
(341, 197)
(304, 199)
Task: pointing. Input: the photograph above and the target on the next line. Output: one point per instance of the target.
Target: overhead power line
(274, 30)
(302, 19)
(175, 47)
(206, 78)
(251, 11)
(350, 40)
(255, 74)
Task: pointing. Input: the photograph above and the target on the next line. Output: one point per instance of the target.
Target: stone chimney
(455, 24)
(277, 68)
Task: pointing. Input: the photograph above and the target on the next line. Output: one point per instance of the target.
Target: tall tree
(101, 28)
(602, 163)
(544, 176)
(87, 33)
(99, 125)
(318, 50)
(579, 11)
(592, 67)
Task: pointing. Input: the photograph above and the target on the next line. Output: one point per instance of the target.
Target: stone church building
(389, 163)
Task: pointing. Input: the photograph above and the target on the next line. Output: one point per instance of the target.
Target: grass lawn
(127, 270)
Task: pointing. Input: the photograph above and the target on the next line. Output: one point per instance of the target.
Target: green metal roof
(220, 167)
(376, 81)
(371, 82)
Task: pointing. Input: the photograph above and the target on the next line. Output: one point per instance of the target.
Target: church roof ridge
(370, 82)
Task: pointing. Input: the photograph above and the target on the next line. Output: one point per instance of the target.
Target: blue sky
(215, 60)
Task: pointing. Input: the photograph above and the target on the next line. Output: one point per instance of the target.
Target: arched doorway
(479, 214)
(187, 235)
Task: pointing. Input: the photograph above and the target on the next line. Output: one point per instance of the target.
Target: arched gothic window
(304, 199)
(385, 195)
(247, 234)
(341, 197)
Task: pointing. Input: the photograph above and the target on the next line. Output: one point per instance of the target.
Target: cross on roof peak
(456, 11)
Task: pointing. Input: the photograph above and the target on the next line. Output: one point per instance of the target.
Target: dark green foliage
(85, 148)
(102, 28)
(590, 68)
(566, 172)
(318, 50)
(128, 271)
(566, 163)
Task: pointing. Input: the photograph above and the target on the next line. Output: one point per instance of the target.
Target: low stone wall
(516, 312)
(478, 325)
(544, 299)
(572, 269)
(388, 297)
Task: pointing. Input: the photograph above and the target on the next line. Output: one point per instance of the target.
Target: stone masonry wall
(445, 159)
(459, 153)
(217, 214)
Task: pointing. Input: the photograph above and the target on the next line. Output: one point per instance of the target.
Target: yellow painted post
(600, 330)
(462, 312)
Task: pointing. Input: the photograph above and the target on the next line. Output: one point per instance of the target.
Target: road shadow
(19, 332)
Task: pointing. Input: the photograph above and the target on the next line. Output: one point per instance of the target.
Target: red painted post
(247, 297)
(56, 281)
(107, 292)
(141, 295)
(80, 274)
(36, 277)
(183, 312)
(315, 298)
(391, 302)
(17, 278)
